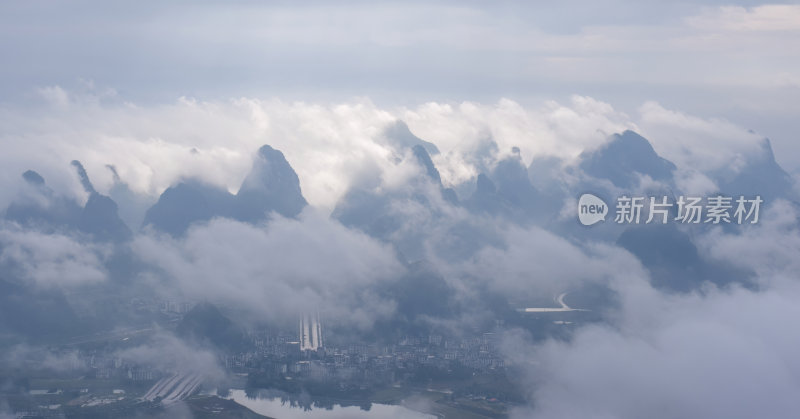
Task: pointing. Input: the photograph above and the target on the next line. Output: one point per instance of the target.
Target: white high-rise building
(310, 332)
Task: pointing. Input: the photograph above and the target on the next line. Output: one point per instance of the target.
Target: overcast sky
(735, 60)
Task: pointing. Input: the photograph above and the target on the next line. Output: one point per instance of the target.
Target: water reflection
(278, 404)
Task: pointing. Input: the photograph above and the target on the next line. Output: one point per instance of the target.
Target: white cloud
(331, 146)
(562, 130)
(769, 248)
(695, 143)
(55, 96)
(37, 358)
(276, 271)
(723, 355)
(167, 353)
(51, 260)
(711, 353)
(532, 262)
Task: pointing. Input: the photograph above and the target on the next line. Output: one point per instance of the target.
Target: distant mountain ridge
(624, 158)
(206, 325)
(49, 212)
(761, 175)
(271, 185)
(404, 216)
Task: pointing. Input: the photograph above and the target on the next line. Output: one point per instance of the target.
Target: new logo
(591, 209)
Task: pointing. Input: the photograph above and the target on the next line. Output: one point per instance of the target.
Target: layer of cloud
(693, 142)
(51, 260)
(165, 352)
(722, 355)
(712, 353)
(273, 271)
(42, 359)
(333, 147)
(532, 262)
(279, 270)
(770, 248)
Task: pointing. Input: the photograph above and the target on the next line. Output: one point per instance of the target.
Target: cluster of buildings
(285, 356)
(100, 365)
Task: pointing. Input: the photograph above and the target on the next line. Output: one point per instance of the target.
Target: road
(560, 300)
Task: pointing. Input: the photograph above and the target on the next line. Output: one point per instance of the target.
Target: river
(275, 408)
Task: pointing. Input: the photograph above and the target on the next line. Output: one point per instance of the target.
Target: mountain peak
(623, 157)
(185, 203)
(271, 185)
(400, 135)
(87, 184)
(98, 217)
(205, 324)
(271, 170)
(266, 151)
(766, 146)
(762, 175)
(33, 178)
(424, 159)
